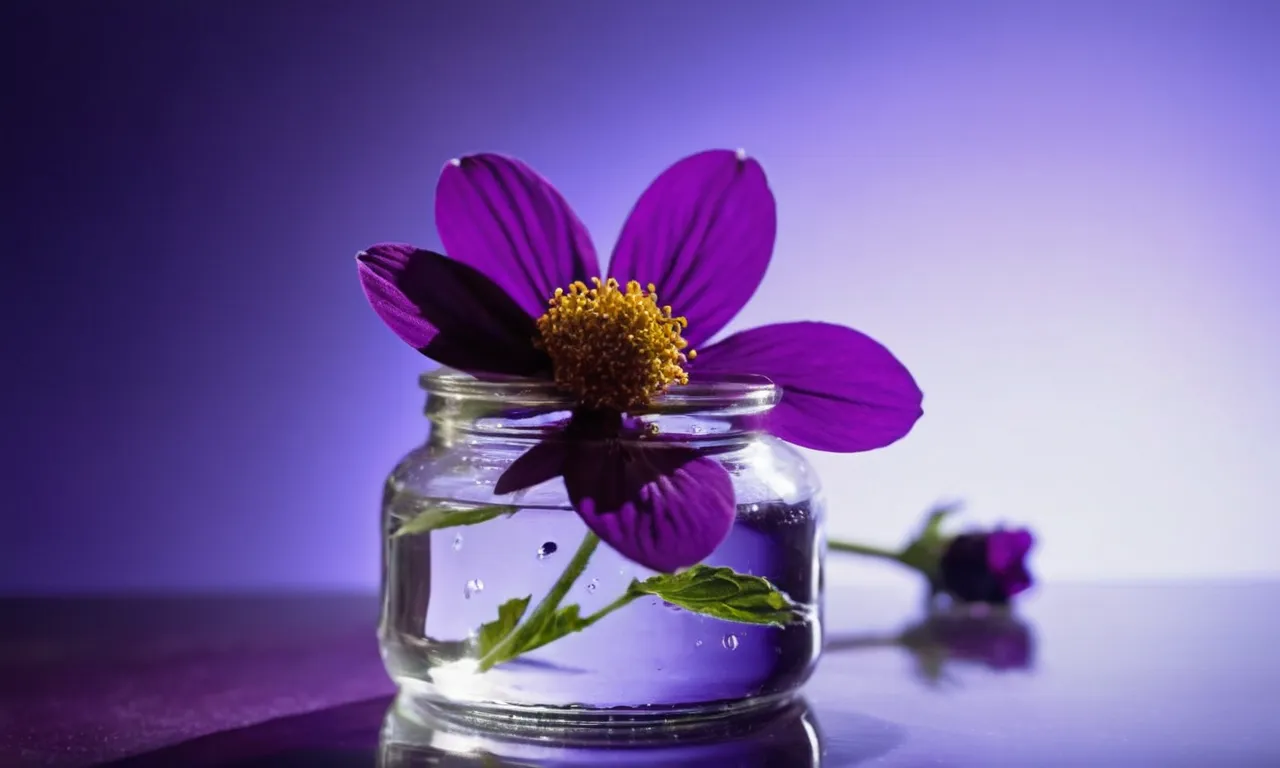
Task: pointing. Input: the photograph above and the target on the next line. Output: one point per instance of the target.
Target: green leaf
(509, 615)
(923, 553)
(533, 634)
(932, 529)
(440, 517)
(564, 621)
(723, 593)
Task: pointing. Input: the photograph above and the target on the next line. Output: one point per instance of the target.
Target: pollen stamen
(613, 348)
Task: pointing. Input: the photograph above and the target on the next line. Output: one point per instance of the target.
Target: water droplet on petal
(697, 643)
(742, 154)
(457, 542)
(591, 587)
(548, 548)
(730, 641)
(473, 586)
(456, 162)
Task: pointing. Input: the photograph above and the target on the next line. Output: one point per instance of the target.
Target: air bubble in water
(473, 586)
(548, 548)
(592, 586)
(457, 542)
(730, 641)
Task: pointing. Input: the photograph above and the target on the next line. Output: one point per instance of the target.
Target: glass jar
(790, 737)
(648, 661)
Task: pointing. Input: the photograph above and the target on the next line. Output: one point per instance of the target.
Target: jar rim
(709, 393)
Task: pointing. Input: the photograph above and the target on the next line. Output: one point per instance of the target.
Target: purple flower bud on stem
(986, 567)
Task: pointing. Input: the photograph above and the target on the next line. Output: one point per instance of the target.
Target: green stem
(626, 599)
(863, 549)
(860, 642)
(545, 609)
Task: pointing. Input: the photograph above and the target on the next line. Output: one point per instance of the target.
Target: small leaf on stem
(563, 622)
(931, 531)
(438, 517)
(923, 553)
(534, 634)
(509, 615)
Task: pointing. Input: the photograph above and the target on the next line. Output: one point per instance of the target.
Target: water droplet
(591, 587)
(548, 548)
(457, 542)
(473, 586)
(730, 641)
(697, 643)
(697, 429)
(742, 154)
(455, 162)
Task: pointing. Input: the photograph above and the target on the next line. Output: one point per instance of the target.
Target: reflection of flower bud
(945, 640)
(997, 641)
(986, 567)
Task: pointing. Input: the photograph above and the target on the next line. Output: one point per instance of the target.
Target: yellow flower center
(611, 348)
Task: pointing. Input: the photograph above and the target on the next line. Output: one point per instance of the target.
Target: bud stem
(863, 549)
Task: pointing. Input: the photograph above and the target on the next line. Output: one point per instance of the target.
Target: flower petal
(448, 311)
(842, 390)
(702, 233)
(534, 467)
(662, 507)
(499, 216)
(1006, 549)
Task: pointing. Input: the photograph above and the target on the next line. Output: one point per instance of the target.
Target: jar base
(418, 701)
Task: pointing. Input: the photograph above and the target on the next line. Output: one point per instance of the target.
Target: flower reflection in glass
(520, 294)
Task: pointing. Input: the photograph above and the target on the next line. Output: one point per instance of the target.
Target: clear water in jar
(441, 586)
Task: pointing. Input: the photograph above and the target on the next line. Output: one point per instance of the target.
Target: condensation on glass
(648, 660)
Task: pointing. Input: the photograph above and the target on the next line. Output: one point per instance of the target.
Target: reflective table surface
(1181, 675)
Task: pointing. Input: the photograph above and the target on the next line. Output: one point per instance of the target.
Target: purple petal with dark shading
(1007, 548)
(986, 567)
(702, 233)
(1006, 558)
(662, 507)
(499, 216)
(450, 312)
(535, 466)
(842, 390)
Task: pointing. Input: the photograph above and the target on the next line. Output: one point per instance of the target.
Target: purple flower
(987, 567)
(520, 294)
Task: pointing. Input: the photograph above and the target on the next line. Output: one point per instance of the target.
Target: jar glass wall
(454, 553)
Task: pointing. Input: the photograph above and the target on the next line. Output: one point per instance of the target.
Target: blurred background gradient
(1063, 217)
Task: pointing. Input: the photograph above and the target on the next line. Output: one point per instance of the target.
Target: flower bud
(985, 567)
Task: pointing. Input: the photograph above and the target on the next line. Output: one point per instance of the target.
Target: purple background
(1064, 217)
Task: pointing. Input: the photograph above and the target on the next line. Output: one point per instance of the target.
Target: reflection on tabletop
(992, 638)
